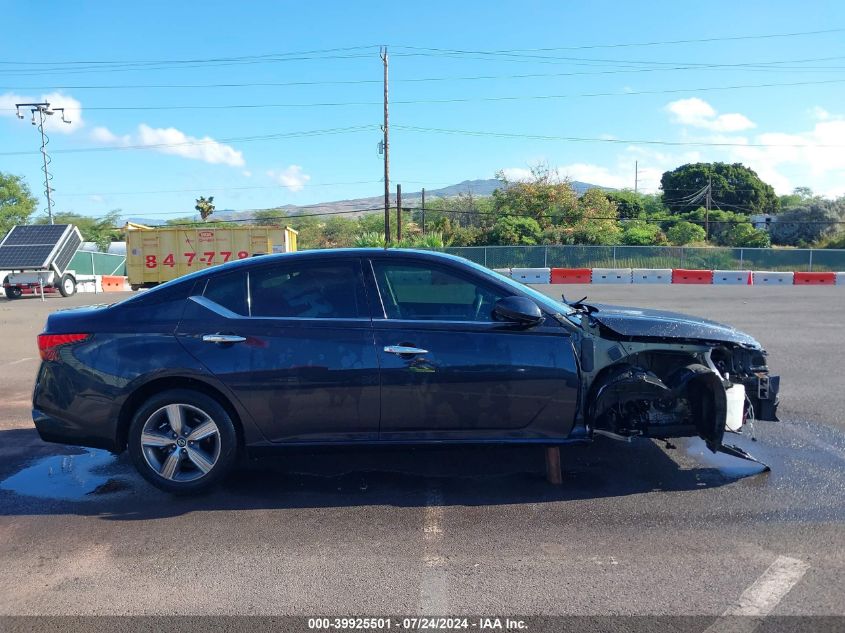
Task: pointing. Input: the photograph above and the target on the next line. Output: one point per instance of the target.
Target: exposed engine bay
(655, 374)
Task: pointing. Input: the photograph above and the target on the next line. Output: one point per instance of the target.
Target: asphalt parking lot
(637, 528)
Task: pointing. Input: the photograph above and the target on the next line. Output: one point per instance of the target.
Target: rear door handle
(223, 338)
(401, 350)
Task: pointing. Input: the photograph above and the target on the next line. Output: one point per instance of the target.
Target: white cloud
(820, 113)
(173, 141)
(107, 137)
(517, 174)
(54, 123)
(696, 112)
(597, 175)
(246, 173)
(291, 177)
(814, 158)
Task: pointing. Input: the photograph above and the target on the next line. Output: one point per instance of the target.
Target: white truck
(37, 258)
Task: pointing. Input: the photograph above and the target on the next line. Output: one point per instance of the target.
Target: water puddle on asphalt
(727, 465)
(65, 477)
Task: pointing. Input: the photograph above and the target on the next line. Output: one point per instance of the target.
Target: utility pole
(707, 202)
(42, 109)
(636, 174)
(423, 210)
(386, 129)
(398, 213)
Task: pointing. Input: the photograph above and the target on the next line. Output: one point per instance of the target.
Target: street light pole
(42, 109)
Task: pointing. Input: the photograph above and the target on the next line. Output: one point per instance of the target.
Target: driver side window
(411, 291)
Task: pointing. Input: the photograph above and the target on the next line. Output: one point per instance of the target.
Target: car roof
(332, 253)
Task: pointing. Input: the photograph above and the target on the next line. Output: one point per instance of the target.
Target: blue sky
(793, 135)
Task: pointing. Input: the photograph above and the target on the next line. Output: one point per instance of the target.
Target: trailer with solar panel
(37, 257)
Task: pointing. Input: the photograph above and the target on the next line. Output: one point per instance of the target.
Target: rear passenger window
(331, 290)
(228, 291)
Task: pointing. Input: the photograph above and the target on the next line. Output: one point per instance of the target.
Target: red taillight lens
(49, 344)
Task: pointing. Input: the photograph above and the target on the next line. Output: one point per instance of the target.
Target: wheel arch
(137, 398)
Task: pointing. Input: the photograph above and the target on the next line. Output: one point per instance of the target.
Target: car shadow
(69, 480)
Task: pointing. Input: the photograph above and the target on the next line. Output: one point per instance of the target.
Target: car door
(293, 341)
(448, 370)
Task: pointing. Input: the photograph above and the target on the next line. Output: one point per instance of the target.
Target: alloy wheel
(180, 442)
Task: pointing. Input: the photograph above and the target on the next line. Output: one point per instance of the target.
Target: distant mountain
(361, 205)
(486, 188)
(475, 187)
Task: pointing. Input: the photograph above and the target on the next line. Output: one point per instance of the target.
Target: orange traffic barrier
(113, 283)
(571, 275)
(818, 279)
(684, 276)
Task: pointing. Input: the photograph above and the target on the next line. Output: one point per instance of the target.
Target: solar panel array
(67, 251)
(31, 246)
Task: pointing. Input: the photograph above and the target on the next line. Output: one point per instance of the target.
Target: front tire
(182, 441)
(67, 286)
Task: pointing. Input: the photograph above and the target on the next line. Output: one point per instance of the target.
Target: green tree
(800, 196)
(205, 206)
(544, 197)
(339, 232)
(637, 233)
(681, 233)
(102, 231)
(17, 203)
(735, 188)
(805, 225)
(631, 205)
(743, 234)
(514, 231)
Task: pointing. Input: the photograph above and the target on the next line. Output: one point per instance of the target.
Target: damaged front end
(661, 375)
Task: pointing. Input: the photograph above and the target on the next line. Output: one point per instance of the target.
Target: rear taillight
(49, 344)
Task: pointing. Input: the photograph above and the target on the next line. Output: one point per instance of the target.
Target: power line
(660, 42)
(544, 137)
(189, 61)
(234, 139)
(318, 53)
(251, 106)
(204, 189)
(751, 66)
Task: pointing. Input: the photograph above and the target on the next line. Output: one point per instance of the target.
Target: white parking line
(20, 360)
(434, 598)
(770, 588)
(761, 597)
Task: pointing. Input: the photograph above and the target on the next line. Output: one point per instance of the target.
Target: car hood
(644, 322)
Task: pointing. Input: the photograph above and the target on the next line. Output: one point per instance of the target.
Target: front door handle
(223, 338)
(401, 350)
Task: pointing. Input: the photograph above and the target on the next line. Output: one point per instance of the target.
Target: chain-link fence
(804, 260)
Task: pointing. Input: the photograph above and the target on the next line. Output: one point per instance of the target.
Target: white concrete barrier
(89, 283)
(611, 275)
(731, 277)
(503, 271)
(651, 275)
(770, 278)
(840, 279)
(532, 275)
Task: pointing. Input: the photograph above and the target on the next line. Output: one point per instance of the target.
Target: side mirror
(520, 310)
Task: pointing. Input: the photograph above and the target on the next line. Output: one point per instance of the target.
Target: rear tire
(67, 286)
(183, 441)
(11, 293)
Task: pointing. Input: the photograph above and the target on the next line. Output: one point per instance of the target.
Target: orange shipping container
(156, 255)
